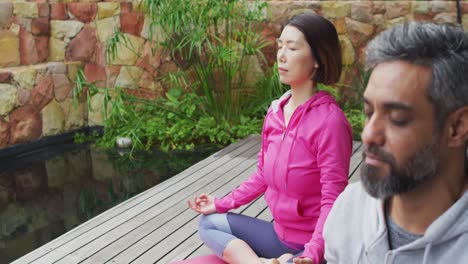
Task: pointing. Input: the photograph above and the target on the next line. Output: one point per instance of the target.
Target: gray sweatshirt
(356, 232)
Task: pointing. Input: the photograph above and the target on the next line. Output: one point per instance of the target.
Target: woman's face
(296, 63)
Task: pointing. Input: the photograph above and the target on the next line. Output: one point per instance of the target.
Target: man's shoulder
(353, 193)
(354, 204)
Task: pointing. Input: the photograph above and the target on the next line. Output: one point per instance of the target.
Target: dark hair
(322, 38)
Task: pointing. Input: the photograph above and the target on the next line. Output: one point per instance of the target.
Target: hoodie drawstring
(426, 253)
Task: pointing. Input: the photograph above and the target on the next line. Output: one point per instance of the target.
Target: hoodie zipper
(285, 130)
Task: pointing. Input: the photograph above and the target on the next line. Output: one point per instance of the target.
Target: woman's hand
(302, 261)
(203, 204)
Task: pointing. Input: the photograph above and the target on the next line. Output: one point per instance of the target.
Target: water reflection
(43, 195)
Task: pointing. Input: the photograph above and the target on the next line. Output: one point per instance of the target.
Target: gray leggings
(217, 230)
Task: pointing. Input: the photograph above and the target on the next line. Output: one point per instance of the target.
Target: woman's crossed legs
(226, 234)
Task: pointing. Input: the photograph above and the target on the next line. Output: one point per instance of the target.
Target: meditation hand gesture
(302, 261)
(203, 204)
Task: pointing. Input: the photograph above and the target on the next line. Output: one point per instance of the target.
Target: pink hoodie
(302, 168)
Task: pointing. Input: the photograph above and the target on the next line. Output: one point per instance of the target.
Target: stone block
(5, 77)
(128, 52)
(8, 94)
(465, 22)
(378, 7)
(42, 47)
(73, 71)
(132, 23)
(108, 9)
(112, 72)
(53, 119)
(9, 53)
(336, 9)
(62, 87)
(150, 58)
(25, 9)
(129, 77)
(81, 48)
(65, 29)
(25, 77)
(4, 133)
(14, 28)
(358, 32)
(397, 9)
(347, 51)
(100, 56)
(340, 25)
(84, 12)
(56, 49)
(443, 18)
(394, 22)
(25, 124)
(464, 7)
(58, 11)
(28, 49)
(43, 93)
(75, 116)
(107, 27)
(40, 26)
(157, 33)
(421, 7)
(95, 117)
(43, 9)
(56, 68)
(23, 22)
(95, 74)
(24, 96)
(362, 12)
(6, 12)
(444, 6)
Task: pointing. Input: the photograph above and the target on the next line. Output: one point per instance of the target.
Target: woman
(303, 163)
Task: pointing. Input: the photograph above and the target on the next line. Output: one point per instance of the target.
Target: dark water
(45, 194)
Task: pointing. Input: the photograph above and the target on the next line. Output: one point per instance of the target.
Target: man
(412, 203)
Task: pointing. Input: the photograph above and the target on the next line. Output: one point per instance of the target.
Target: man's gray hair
(444, 48)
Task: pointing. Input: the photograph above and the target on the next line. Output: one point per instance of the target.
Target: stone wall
(43, 43)
(359, 21)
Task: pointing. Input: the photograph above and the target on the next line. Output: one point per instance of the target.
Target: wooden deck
(156, 226)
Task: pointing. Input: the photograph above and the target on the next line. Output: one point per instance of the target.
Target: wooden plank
(149, 249)
(356, 146)
(187, 248)
(193, 242)
(139, 204)
(162, 224)
(356, 161)
(235, 166)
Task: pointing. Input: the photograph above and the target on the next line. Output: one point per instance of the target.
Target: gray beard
(420, 168)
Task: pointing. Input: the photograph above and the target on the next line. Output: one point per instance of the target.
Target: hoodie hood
(449, 225)
(445, 240)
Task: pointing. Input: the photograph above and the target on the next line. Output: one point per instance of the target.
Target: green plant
(267, 89)
(352, 105)
(212, 42)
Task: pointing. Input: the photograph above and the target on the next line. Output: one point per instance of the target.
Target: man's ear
(458, 128)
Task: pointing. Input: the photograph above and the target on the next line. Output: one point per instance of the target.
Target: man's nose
(374, 131)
